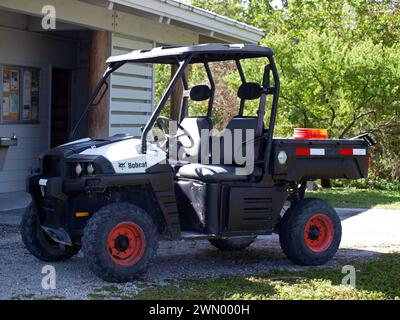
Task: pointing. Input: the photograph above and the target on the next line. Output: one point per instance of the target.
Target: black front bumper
(57, 202)
(63, 187)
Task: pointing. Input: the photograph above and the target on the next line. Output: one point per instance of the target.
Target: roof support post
(212, 85)
(243, 79)
(176, 95)
(97, 118)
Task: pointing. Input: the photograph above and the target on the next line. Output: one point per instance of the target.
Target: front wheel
(39, 243)
(310, 232)
(119, 242)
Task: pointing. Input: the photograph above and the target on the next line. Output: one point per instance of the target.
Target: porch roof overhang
(174, 12)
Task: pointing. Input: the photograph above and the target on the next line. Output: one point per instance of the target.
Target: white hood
(125, 155)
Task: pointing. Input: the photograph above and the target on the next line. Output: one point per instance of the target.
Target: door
(60, 106)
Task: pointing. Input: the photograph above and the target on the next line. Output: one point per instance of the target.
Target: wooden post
(97, 118)
(176, 96)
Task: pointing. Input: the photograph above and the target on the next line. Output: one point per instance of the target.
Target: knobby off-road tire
(310, 232)
(39, 243)
(232, 244)
(119, 242)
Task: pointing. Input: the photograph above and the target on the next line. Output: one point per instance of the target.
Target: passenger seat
(194, 125)
(228, 172)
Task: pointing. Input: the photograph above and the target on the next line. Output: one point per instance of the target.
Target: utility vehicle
(117, 197)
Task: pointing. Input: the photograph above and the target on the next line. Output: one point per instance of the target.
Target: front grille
(51, 166)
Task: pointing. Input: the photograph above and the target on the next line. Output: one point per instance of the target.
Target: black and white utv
(116, 197)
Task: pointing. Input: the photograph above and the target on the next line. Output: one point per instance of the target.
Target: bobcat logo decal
(121, 165)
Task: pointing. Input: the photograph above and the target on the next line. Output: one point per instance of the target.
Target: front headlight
(90, 169)
(78, 169)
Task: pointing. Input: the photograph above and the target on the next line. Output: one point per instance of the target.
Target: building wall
(132, 89)
(30, 49)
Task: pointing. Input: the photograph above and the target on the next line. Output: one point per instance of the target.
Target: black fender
(157, 183)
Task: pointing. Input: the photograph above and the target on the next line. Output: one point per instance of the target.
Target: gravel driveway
(365, 233)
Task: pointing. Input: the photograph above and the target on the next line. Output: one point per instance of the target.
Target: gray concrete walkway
(14, 200)
(12, 206)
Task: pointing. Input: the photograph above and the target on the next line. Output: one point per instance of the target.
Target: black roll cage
(180, 74)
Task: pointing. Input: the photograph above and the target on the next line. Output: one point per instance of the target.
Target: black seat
(238, 147)
(249, 127)
(229, 169)
(194, 126)
(195, 153)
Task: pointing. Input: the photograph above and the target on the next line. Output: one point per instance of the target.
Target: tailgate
(316, 159)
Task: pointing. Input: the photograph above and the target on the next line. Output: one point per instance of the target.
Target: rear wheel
(310, 232)
(119, 242)
(39, 243)
(232, 244)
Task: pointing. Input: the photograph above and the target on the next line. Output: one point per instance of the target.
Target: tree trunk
(97, 118)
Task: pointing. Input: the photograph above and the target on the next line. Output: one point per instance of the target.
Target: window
(19, 93)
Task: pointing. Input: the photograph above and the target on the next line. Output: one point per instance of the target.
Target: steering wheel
(163, 124)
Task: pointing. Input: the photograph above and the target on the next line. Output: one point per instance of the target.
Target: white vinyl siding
(131, 94)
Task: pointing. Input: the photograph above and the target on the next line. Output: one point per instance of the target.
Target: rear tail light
(310, 134)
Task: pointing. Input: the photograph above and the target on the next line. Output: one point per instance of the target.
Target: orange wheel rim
(318, 233)
(126, 243)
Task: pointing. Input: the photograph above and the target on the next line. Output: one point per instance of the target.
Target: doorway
(60, 106)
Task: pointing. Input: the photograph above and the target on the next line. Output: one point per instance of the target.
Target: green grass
(109, 289)
(358, 198)
(99, 296)
(375, 279)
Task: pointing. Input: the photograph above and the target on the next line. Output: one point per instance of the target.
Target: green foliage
(234, 9)
(367, 184)
(352, 20)
(162, 75)
(327, 82)
(358, 196)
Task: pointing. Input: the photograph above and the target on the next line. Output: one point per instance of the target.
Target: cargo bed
(316, 159)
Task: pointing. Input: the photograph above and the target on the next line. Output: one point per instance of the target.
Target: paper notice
(14, 103)
(6, 82)
(6, 105)
(27, 89)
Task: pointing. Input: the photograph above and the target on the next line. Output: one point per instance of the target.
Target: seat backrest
(194, 125)
(239, 128)
(241, 125)
(253, 91)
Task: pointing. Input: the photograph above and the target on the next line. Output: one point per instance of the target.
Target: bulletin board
(19, 90)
